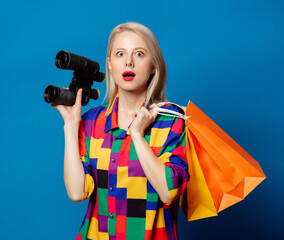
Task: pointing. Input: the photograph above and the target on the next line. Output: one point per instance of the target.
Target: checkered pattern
(123, 204)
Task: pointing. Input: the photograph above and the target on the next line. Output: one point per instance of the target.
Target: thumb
(154, 114)
(79, 97)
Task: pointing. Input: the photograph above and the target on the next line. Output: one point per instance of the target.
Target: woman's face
(130, 63)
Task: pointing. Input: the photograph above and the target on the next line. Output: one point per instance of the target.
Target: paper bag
(221, 172)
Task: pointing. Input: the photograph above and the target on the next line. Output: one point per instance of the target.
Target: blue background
(226, 56)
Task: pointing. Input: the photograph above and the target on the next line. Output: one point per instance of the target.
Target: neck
(130, 101)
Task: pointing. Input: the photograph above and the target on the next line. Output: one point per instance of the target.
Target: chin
(132, 89)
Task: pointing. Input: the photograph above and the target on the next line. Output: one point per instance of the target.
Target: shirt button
(111, 216)
(110, 188)
(113, 160)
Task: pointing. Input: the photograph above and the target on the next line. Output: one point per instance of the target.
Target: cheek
(149, 67)
(115, 70)
(113, 67)
(145, 65)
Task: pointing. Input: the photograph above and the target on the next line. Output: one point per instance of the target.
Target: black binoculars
(85, 72)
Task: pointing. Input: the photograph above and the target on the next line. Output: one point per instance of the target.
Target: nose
(129, 61)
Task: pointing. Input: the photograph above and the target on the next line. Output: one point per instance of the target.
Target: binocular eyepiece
(85, 72)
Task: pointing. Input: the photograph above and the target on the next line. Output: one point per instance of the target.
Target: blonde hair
(157, 82)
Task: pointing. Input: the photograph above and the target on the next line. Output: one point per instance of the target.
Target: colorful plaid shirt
(122, 202)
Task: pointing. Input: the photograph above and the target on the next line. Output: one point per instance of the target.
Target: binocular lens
(62, 59)
(59, 96)
(50, 94)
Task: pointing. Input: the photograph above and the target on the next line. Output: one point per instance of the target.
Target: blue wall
(226, 56)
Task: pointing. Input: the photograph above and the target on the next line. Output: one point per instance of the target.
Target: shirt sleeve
(174, 157)
(84, 150)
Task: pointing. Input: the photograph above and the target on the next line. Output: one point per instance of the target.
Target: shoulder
(171, 120)
(95, 112)
(173, 107)
(171, 112)
(90, 117)
(167, 130)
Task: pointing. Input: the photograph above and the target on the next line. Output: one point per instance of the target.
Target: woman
(130, 162)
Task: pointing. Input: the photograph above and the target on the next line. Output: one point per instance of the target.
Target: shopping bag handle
(171, 113)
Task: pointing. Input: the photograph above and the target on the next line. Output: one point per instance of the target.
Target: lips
(128, 75)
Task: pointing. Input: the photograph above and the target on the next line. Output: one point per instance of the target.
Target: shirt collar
(111, 121)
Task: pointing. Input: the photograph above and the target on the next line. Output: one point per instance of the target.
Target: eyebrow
(133, 49)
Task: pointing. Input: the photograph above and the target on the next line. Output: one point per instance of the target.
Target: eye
(139, 54)
(119, 53)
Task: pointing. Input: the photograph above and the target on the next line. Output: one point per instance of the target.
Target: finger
(145, 110)
(156, 105)
(147, 113)
(55, 106)
(79, 97)
(154, 114)
(150, 114)
(153, 105)
(140, 112)
(58, 107)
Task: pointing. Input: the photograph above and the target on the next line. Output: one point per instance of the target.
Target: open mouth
(128, 75)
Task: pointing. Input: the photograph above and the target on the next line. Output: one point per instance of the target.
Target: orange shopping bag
(221, 172)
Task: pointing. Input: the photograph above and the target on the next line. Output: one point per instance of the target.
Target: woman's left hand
(142, 119)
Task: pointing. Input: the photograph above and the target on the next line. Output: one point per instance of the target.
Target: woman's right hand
(74, 175)
(71, 114)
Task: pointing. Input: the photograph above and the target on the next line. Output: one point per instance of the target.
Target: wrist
(72, 125)
(136, 135)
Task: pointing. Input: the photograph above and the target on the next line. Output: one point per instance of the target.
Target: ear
(109, 64)
(153, 70)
